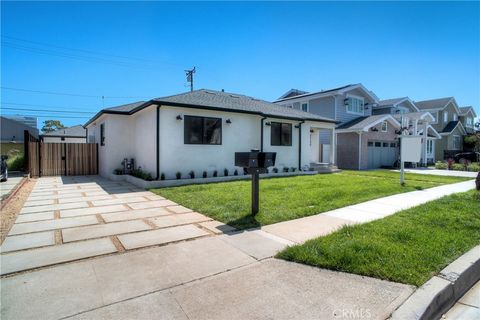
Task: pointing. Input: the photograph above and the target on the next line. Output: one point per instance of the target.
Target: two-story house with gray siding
(467, 118)
(363, 140)
(413, 122)
(447, 123)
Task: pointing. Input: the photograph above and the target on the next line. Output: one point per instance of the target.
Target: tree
(52, 125)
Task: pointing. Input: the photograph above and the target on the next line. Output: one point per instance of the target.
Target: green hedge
(15, 163)
(474, 166)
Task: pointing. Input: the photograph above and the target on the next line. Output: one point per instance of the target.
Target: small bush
(215, 173)
(204, 174)
(458, 167)
(16, 163)
(178, 175)
(139, 173)
(285, 169)
(441, 165)
(474, 166)
(235, 173)
(118, 171)
(293, 169)
(162, 176)
(225, 172)
(192, 174)
(275, 170)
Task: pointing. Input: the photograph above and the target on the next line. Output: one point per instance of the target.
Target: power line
(43, 110)
(70, 94)
(75, 56)
(39, 105)
(86, 51)
(46, 116)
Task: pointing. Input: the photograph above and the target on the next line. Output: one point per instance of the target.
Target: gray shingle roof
(361, 123)
(433, 104)
(389, 102)
(218, 100)
(464, 110)
(75, 131)
(322, 91)
(450, 126)
(237, 102)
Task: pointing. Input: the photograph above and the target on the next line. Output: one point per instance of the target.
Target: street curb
(441, 292)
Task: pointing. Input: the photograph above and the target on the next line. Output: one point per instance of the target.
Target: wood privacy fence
(56, 159)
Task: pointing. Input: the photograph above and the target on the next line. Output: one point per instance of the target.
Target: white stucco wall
(134, 136)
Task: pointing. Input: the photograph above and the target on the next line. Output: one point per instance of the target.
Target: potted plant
(178, 175)
(235, 173)
(204, 174)
(192, 174)
(275, 170)
(215, 173)
(225, 172)
(285, 169)
(162, 176)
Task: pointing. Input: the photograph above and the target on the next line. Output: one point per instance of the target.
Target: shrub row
(468, 166)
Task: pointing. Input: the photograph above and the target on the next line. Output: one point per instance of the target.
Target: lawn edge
(442, 291)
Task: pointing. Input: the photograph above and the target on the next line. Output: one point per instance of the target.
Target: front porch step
(323, 167)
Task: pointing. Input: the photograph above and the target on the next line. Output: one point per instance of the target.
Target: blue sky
(421, 50)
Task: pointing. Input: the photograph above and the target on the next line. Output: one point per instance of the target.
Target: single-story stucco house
(74, 134)
(201, 131)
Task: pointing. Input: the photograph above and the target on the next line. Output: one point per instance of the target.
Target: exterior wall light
(179, 117)
(228, 121)
(345, 101)
(374, 129)
(268, 123)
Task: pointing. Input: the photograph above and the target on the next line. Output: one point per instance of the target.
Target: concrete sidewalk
(303, 229)
(437, 172)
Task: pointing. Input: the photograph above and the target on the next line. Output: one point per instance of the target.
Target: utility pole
(189, 74)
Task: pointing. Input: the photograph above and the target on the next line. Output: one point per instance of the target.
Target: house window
(384, 126)
(445, 116)
(393, 145)
(435, 117)
(469, 122)
(354, 105)
(202, 130)
(305, 107)
(456, 143)
(281, 134)
(429, 146)
(370, 143)
(102, 134)
(455, 117)
(378, 144)
(385, 144)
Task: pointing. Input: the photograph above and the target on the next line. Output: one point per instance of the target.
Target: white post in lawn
(411, 151)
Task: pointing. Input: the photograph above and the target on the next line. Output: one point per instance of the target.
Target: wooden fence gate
(57, 159)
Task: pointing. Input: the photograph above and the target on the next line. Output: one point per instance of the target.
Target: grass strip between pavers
(408, 247)
(288, 198)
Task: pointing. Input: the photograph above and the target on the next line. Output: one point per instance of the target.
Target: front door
(430, 150)
(314, 146)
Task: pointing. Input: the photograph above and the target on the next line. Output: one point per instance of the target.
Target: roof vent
(209, 92)
(234, 96)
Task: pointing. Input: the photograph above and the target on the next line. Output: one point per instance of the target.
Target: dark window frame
(203, 142)
(102, 134)
(281, 144)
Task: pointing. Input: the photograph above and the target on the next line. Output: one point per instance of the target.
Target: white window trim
(386, 126)
(359, 98)
(308, 106)
(460, 141)
(469, 122)
(445, 117)
(455, 117)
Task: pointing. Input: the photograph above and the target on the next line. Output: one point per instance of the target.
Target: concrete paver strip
(65, 290)
(32, 203)
(62, 206)
(152, 204)
(277, 289)
(160, 236)
(134, 214)
(102, 230)
(56, 196)
(34, 258)
(28, 241)
(45, 225)
(128, 200)
(8, 186)
(91, 198)
(91, 210)
(179, 209)
(179, 219)
(35, 217)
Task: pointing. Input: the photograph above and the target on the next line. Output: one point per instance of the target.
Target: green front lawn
(294, 197)
(408, 247)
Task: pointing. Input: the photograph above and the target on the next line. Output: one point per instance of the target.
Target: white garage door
(381, 153)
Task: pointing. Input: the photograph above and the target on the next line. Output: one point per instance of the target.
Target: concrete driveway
(7, 186)
(86, 247)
